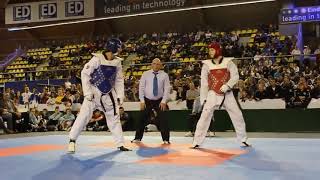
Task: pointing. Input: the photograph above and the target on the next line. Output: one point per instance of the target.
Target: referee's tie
(155, 84)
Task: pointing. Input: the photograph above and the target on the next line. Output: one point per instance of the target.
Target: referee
(154, 89)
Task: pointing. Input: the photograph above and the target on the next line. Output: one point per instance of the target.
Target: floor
(39, 156)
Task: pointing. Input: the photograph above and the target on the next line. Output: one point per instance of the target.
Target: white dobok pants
(213, 102)
(85, 115)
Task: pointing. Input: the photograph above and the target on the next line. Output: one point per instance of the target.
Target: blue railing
(11, 57)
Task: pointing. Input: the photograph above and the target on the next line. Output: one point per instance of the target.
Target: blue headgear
(113, 45)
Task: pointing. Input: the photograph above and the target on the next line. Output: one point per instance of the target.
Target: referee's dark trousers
(162, 122)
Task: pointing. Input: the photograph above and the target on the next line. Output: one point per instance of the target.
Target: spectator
(301, 97)
(35, 120)
(68, 84)
(261, 92)
(34, 97)
(287, 90)
(306, 52)
(5, 114)
(66, 121)
(68, 97)
(315, 92)
(97, 122)
(52, 100)
(257, 57)
(53, 118)
(44, 96)
(191, 95)
(296, 54)
(26, 96)
(3, 126)
(78, 98)
(60, 96)
(18, 98)
(244, 95)
(12, 109)
(73, 89)
(273, 91)
(45, 114)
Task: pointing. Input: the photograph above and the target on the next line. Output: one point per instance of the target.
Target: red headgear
(217, 48)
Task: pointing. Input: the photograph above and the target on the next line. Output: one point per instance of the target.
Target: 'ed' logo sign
(74, 8)
(21, 13)
(47, 11)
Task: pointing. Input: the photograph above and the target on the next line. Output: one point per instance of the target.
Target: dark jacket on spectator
(315, 92)
(301, 97)
(287, 91)
(273, 92)
(34, 97)
(260, 95)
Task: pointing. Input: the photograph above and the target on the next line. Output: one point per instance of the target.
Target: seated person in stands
(250, 85)
(68, 84)
(26, 95)
(54, 118)
(5, 114)
(68, 97)
(60, 96)
(260, 93)
(52, 100)
(78, 98)
(124, 119)
(44, 96)
(12, 108)
(35, 121)
(45, 114)
(97, 122)
(244, 95)
(315, 92)
(18, 99)
(73, 89)
(132, 94)
(191, 94)
(287, 90)
(34, 97)
(302, 96)
(66, 121)
(3, 126)
(52, 91)
(273, 90)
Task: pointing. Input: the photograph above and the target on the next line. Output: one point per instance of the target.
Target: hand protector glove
(224, 88)
(89, 97)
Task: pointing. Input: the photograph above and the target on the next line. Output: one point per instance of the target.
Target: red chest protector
(217, 78)
(218, 75)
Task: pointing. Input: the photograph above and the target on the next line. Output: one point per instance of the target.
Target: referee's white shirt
(146, 86)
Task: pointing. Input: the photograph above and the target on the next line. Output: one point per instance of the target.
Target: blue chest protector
(104, 78)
